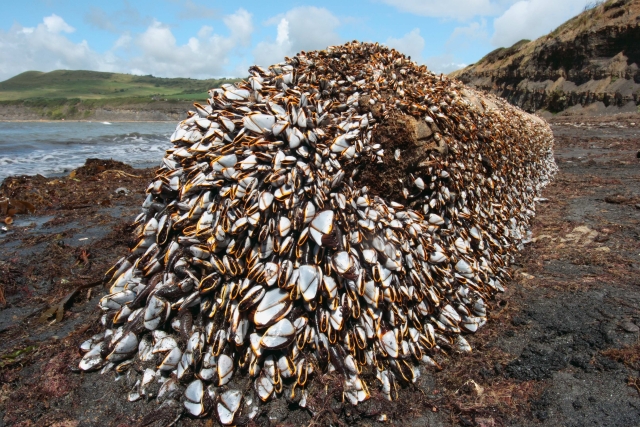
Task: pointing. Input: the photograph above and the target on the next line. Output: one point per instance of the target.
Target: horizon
(189, 39)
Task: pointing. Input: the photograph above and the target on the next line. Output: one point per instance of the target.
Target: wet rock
(606, 364)
(536, 364)
(540, 407)
(581, 361)
(93, 167)
(616, 199)
(519, 321)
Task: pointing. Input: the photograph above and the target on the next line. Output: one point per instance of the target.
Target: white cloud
(529, 19)
(55, 24)
(241, 26)
(444, 64)
(44, 48)
(463, 37)
(123, 42)
(302, 28)
(411, 44)
(267, 53)
(155, 51)
(457, 9)
(204, 56)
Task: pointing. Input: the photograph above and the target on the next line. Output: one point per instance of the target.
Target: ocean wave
(67, 148)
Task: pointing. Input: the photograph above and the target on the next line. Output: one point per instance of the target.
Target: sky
(209, 39)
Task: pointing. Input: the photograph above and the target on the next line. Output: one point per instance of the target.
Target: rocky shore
(561, 346)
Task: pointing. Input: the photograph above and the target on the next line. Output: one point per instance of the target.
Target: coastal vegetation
(77, 94)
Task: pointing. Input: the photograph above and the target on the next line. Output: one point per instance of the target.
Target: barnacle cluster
(345, 210)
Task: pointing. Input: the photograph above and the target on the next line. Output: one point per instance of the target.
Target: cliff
(588, 64)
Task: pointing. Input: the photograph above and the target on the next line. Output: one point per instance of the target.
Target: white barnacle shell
(308, 281)
(156, 313)
(273, 305)
(171, 360)
(264, 387)
(124, 348)
(278, 335)
(390, 344)
(92, 359)
(225, 369)
(259, 123)
(321, 226)
(228, 405)
(194, 396)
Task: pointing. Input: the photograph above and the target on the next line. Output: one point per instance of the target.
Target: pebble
(630, 327)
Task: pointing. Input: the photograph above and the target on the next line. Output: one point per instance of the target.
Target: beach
(560, 348)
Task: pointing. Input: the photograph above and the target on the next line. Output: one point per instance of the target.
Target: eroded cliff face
(591, 59)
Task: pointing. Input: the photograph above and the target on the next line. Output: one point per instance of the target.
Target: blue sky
(204, 39)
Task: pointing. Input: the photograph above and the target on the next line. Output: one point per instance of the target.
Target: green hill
(98, 85)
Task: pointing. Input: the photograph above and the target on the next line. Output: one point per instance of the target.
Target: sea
(56, 148)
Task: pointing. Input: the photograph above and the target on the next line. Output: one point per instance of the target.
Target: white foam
(68, 150)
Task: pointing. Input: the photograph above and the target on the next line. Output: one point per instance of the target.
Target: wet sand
(562, 345)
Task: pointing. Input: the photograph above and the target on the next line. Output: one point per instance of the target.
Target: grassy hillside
(85, 85)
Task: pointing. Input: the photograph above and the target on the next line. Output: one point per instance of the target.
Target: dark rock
(518, 321)
(498, 369)
(606, 364)
(485, 373)
(93, 167)
(616, 199)
(539, 408)
(581, 361)
(536, 364)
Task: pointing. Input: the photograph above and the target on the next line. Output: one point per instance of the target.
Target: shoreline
(85, 121)
(109, 110)
(561, 343)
